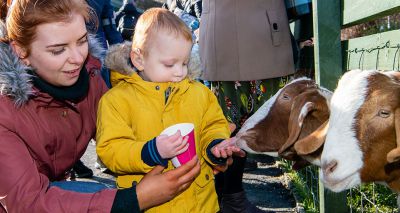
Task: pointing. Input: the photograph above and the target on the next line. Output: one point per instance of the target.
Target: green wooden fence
(333, 57)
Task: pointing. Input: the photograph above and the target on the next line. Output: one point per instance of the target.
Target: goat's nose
(329, 167)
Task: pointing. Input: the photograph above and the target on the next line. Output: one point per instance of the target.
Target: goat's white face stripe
(341, 143)
(261, 113)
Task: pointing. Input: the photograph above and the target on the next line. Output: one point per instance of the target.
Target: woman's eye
(57, 52)
(81, 42)
(168, 65)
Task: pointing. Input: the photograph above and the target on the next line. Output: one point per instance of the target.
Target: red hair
(25, 15)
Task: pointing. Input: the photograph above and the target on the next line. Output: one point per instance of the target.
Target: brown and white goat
(362, 141)
(292, 113)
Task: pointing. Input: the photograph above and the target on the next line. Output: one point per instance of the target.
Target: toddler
(161, 92)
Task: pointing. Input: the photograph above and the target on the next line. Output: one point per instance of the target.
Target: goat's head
(292, 113)
(362, 140)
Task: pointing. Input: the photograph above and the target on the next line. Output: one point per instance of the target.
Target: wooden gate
(333, 57)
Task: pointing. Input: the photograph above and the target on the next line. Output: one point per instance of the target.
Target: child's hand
(227, 148)
(171, 146)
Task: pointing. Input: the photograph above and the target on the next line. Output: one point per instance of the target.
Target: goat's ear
(313, 141)
(301, 106)
(394, 75)
(394, 154)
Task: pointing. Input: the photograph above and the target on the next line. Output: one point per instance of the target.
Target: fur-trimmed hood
(15, 80)
(118, 60)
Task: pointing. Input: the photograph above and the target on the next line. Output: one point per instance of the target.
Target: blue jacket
(107, 30)
(126, 19)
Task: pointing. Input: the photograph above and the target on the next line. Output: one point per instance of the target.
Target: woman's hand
(157, 187)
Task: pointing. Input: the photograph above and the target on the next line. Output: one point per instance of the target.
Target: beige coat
(242, 40)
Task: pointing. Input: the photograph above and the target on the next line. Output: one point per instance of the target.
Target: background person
(246, 51)
(106, 30)
(126, 19)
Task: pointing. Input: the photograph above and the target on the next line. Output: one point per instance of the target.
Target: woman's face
(59, 51)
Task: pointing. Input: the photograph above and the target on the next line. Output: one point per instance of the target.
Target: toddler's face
(167, 58)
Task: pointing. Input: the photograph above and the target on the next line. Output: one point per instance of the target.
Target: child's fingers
(215, 151)
(181, 142)
(223, 153)
(240, 153)
(182, 150)
(229, 151)
(174, 137)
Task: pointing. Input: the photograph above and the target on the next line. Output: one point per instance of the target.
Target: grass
(368, 198)
(299, 183)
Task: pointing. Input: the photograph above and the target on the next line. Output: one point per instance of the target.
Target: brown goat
(292, 113)
(362, 141)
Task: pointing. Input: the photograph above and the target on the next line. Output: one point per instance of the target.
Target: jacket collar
(154, 89)
(15, 80)
(118, 61)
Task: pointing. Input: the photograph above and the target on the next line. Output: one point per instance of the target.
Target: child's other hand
(171, 146)
(227, 148)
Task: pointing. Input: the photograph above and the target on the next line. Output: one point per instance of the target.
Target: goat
(292, 113)
(362, 141)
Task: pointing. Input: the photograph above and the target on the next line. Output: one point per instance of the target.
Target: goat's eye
(285, 97)
(384, 113)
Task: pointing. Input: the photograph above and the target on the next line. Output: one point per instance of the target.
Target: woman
(49, 91)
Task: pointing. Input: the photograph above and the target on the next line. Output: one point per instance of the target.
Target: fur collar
(15, 81)
(118, 60)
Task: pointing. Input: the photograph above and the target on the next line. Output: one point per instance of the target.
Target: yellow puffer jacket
(135, 111)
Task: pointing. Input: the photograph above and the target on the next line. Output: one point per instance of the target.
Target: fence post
(327, 46)
(328, 69)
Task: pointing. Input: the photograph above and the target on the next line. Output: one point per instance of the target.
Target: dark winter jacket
(126, 19)
(193, 7)
(107, 31)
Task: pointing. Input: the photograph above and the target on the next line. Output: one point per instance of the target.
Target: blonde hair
(154, 20)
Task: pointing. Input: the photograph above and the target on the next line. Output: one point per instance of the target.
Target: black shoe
(238, 203)
(81, 170)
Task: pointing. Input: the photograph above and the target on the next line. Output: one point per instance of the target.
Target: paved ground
(266, 186)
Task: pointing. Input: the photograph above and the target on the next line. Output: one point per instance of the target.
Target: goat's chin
(243, 145)
(313, 160)
(338, 185)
